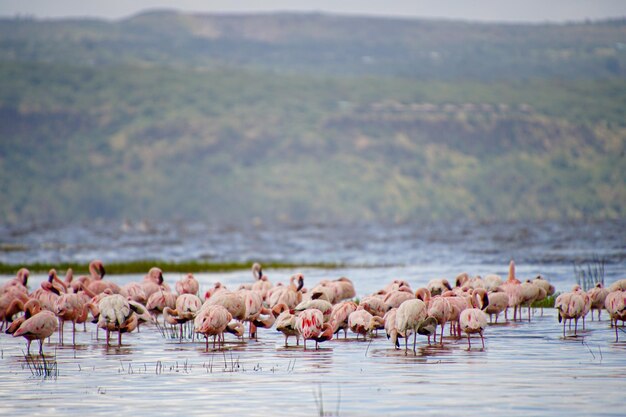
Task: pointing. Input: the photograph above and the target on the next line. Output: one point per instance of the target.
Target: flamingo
(570, 306)
(529, 292)
(512, 287)
(492, 281)
(498, 302)
(615, 304)
(362, 322)
(70, 307)
(390, 327)
(409, 317)
(290, 295)
(347, 288)
(134, 291)
(286, 322)
(597, 295)
(11, 303)
(618, 285)
(188, 285)
(253, 303)
(187, 306)
(339, 316)
(438, 286)
(38, 326)
(153, 282)
(212, 320)
(394, 298)
(374, 305)
(474, 320)
(19, 282)
(159, 300)
(115, 314)
(232, 301)
(310, 325)
(440, 309)
(322, 305)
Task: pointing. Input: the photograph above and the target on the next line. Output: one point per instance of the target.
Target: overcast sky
(481, 10)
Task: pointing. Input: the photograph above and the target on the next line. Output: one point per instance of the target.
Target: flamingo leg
(74, 333)
(616, 334)
(482, 339)
(469, 342)
(414, 339)
(40, 347)
(441, 337)
(119, 338)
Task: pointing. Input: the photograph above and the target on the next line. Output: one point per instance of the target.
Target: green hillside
(310, 118)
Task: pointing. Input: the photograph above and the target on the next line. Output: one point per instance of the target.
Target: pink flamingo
(394, 298)
(188, 285)
(231, 301)
(570, 306)
(597, 295)
(498, 302)
(212, 320)
(322, 305)
(615, 304)
(187, 306)
(474, 320)
(69, 307)
(362, 322)
(529, 292)
(512, 287)
(438, 286)
(38, 326)
(159, 300)
(11, 303)
(310, 324)
(390, 327)
(290, 295)
(339, 316)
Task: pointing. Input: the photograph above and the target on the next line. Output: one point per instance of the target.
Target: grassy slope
(163, 130)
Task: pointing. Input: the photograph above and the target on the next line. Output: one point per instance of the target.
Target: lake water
(525, 368)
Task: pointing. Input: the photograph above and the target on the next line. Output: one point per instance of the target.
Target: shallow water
(525, 369)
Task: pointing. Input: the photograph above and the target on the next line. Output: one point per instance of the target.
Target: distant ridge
(310, 117)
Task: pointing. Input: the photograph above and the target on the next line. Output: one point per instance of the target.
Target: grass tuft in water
(547, 302)
(41, 367)
(587, 276)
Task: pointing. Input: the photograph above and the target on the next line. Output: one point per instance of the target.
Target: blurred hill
(310, 117)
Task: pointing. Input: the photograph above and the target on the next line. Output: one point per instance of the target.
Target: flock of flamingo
(317, 314)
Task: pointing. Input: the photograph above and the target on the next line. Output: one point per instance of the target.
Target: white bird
(115, 314)
(409, 317)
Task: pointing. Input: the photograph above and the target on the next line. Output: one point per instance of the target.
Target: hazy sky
(483, 10)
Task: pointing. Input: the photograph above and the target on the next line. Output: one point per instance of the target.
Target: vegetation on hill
(310, 118)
